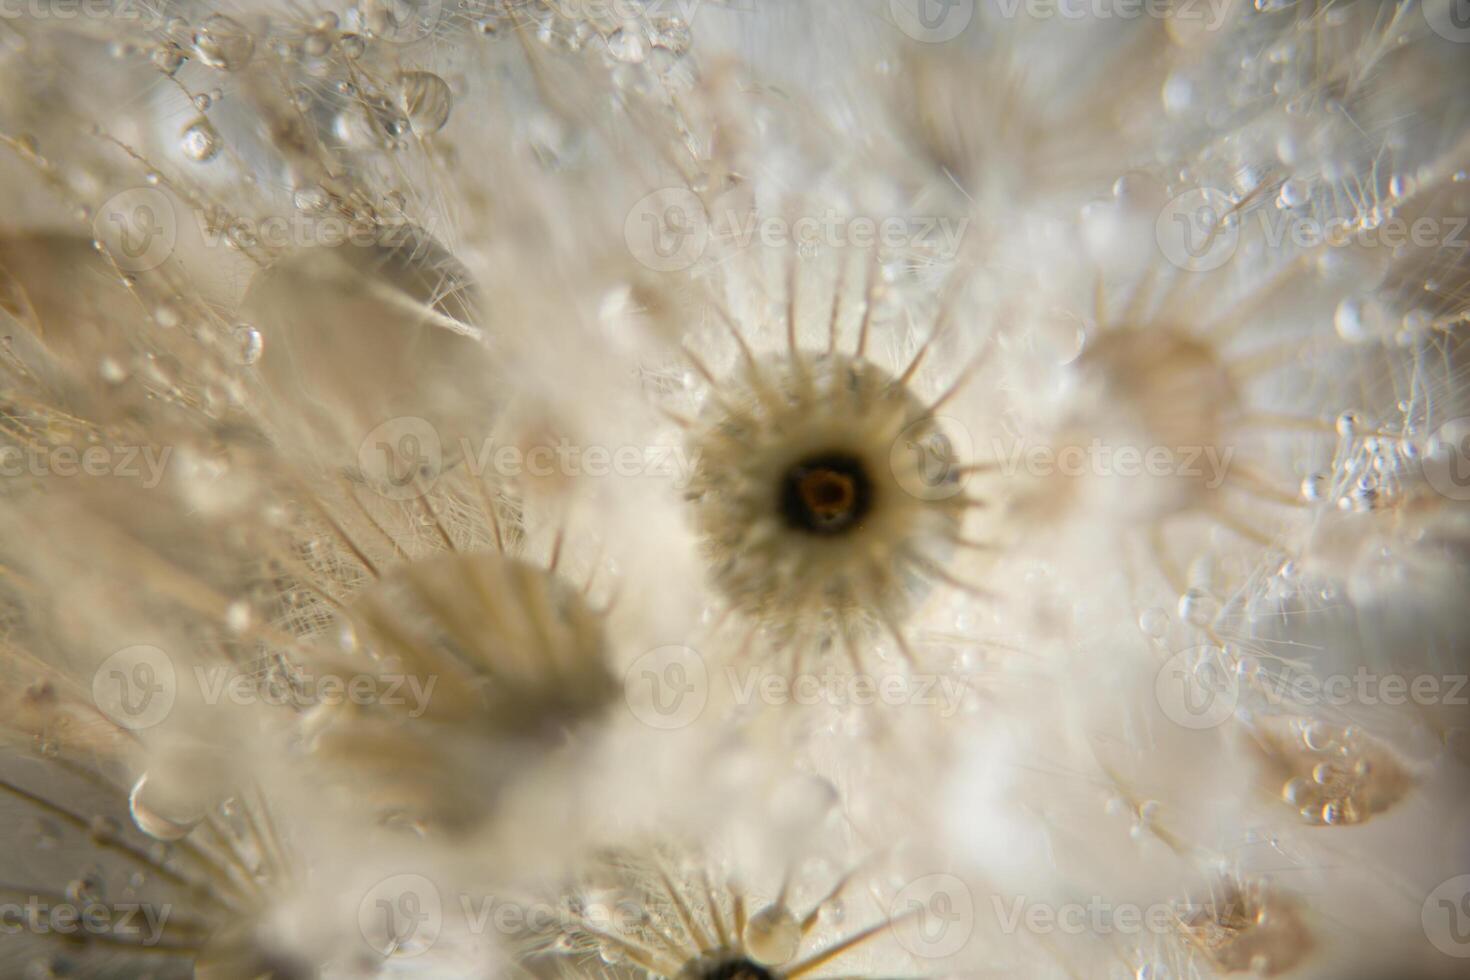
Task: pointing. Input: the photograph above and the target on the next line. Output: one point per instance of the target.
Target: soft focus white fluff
(1048, 304)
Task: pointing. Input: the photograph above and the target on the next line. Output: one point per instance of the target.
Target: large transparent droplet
(773, 935)
(158, 817)
(425, 99)
(200, 141)
(225, 43)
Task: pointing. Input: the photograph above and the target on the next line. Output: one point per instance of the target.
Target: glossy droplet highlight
(200, 142)
(425, 99)
(224, 43)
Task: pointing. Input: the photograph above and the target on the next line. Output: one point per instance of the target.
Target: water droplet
(237, 615)
(1315, 486)
(352, 45)
(1154, 622)
(1293, 194)
(773, 935)
(200, 141)
(671, 33)
(157, 819)
(1296, 791)
(628, 46)
(1178, 94)
(425, 99)
(310, 198)
(224, 43)
(168, 58)
(111, 371)
(1197, 607)
(103, 828)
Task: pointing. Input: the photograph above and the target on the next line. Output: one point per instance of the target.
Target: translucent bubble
(1296, 791)
(1197, 607)
(627, 46)
(200, 141)
(425, 99)
(671, 33)
(155, 817)
(249, 342)
(225, 43)
(1352, 321)
(773, 935)
(1154, 622)
(1315, 486)
(1293, 194)
(310, 198)
(111, 371)
(168, 58)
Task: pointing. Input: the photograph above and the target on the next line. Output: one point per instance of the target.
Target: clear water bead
(225, 43)
(773, 935)
(628, 46)
(200, 142)
(425, 99)
(249, 343)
